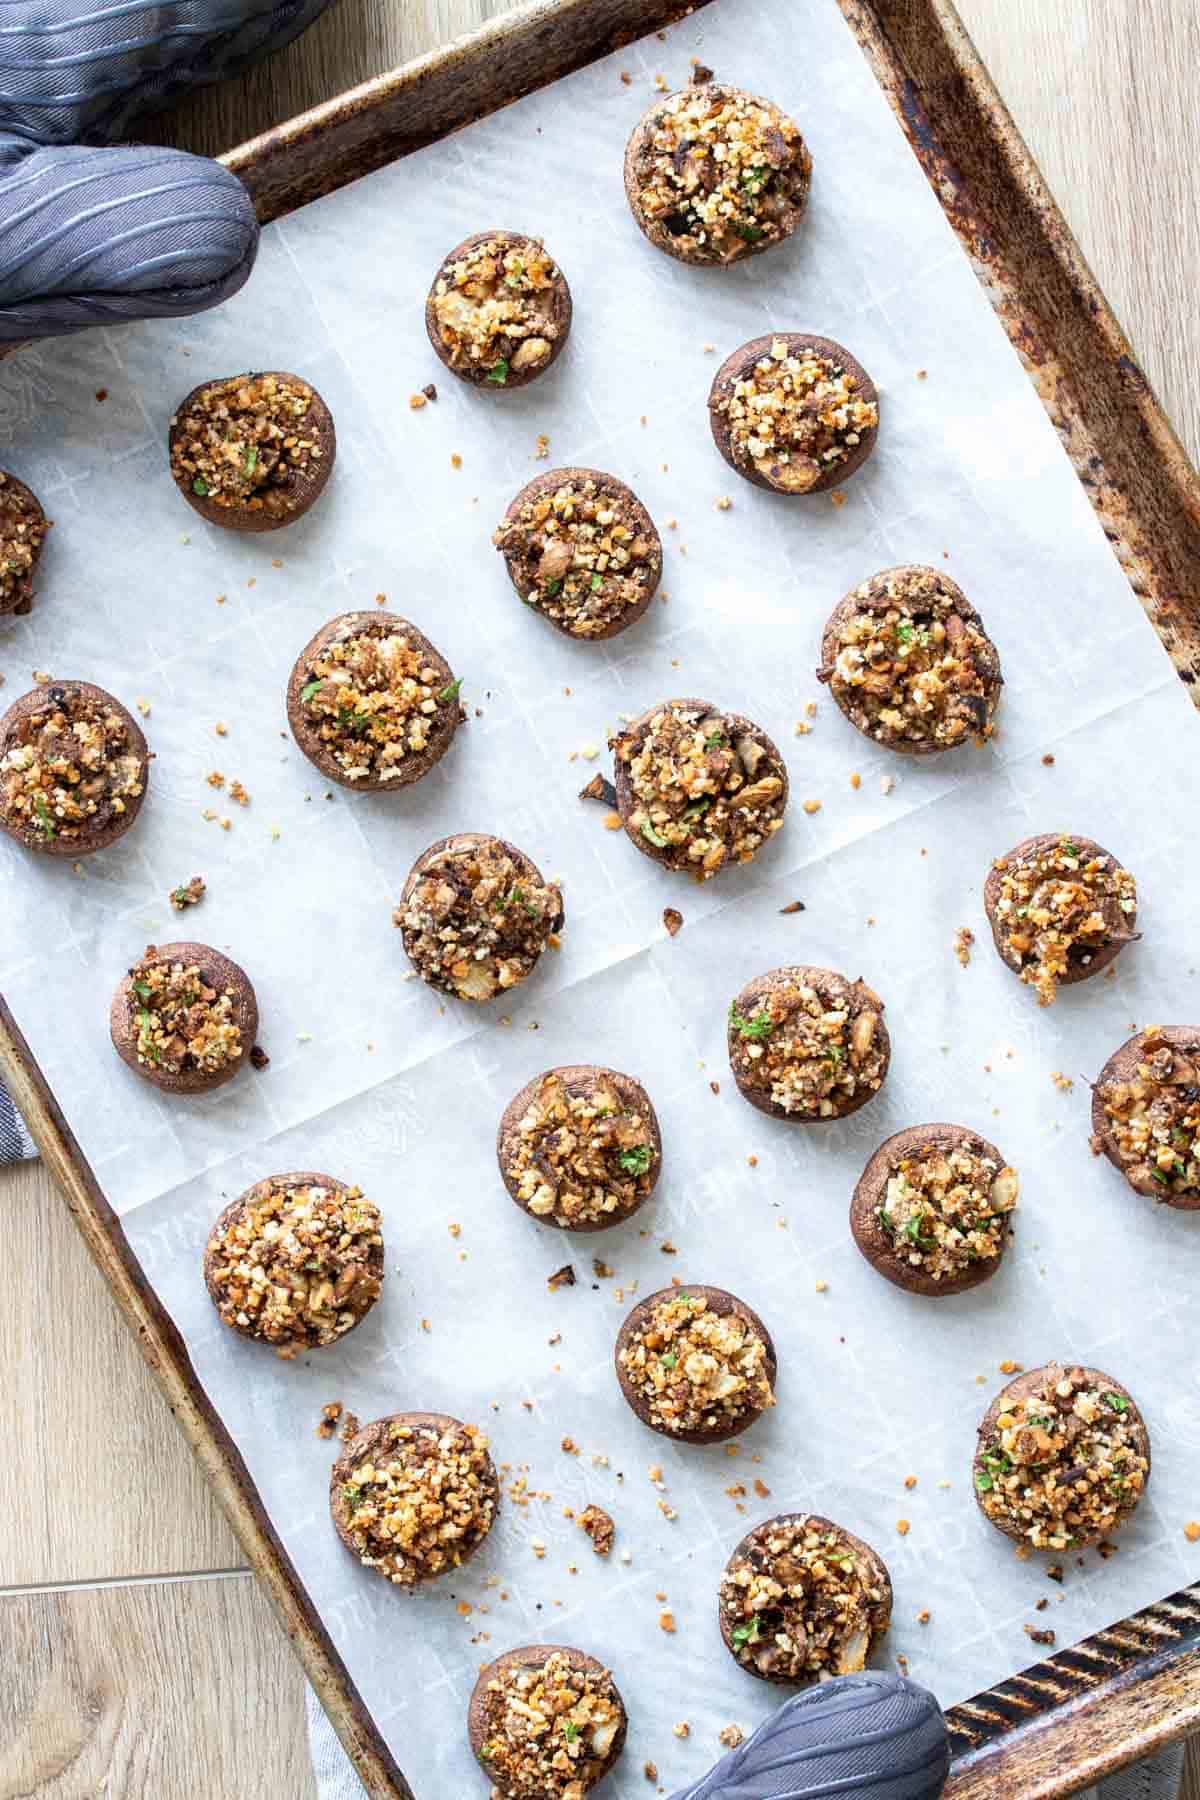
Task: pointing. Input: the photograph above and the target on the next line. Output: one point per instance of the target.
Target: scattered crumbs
(812, 806)
(979, 1380)
(237, 792)
(964, 937)
(810, 709)
(922, 374)
(910, 1482)
(417, 402)
(902, 1664)
(429, 391)
(276, 834)
(538, 1548)
(143, 707)
(731, 1736)
(682, 1730)
(627, 81)
(802, 730)
(668, 1248)
(1062, 1082)
(923, 1616)
(838, 496)
(599, 789)
(209, 813)
(1048, 760)
(189, 893)
(253, 581)
(1009, 1367)
(723, 503)
(793, 906)
(1191, 1531)
(590, 752)
(564, 1277)
(601, 1270)
(381, 600)
(215, 779)
(662, 84)
(454, 1228)
(1038, 1637)
(887, 783)
(672, 917)
(672, 524)
(349, 1427)
(642, 420)
(329, 1417)
(455, 460)
(277, 562)
(220, 599)
(226, 824)
(666, 1622)
(542, 446)
(870, 918)
(1041, 1605)
(944, 1485)
(903, 1527)
(855, 780)
(822, 1287)
(42, 678)
(101, 395)
(714, 1087)
(425, 1325)
(650, 1771)
(258, 1058)
(221, 728)
(1055, 1572)
(752, 1160)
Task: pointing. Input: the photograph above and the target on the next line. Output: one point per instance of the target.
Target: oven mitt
(92, 233)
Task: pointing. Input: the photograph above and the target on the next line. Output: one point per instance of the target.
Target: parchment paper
(375, 1081)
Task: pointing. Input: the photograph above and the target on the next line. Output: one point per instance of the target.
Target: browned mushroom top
(247, 443)
(794, 416)
(23, 528)
(719, 173)
(812, 1051)
(1057, 905)
(494, 307)
(1153, 1116)
(418, 1503)
(802, 1600)
(475, 918)
(582, 552)
(180, 1023)
(1062, 1463)
(696, 1368)
(373, 700)
(580, 1153)
(548, 1728)
(706, 788)
(70, 766)
(945, 1207)
(295, 1262)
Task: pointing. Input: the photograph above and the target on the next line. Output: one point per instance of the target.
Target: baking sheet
(375, 1080)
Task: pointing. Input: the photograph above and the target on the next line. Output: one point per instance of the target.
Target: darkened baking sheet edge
(1117, 1696)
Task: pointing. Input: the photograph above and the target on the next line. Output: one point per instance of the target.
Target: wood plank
(150, 1693)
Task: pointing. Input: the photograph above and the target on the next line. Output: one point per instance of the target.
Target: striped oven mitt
(92, 232)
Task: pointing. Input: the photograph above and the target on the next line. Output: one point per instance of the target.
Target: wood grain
(175, 1689)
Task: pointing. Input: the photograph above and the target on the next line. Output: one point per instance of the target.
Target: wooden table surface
(137, 1658)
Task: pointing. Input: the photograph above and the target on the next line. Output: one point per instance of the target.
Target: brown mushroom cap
(627, 800)
(444, 724)
(741, 363)
(835, 987)
(38, 700)
(1026, 851)
(1027, 1383)
(722, 1303)
(464, 842)
(882, 1614)
(633, 1097)
(655, 230)
(309, 486)
(559, 295)
(872, 596)
(532, 1656)
(548, 484)
(1122, 1065)
(868, 1195)
(19, 503)
(219, 973)
(366, 1444)
(228, 1217)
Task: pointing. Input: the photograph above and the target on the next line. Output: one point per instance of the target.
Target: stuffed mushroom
(476, 915)
(932, 1210)
(414, 1495)
(582, 551)
(1146, 1113)
(73, 769)
(499, 311)
(696, 1364)
(1061, 909)
(296, 1261)
(1063, 1457)
(252, 452)
(546, 1723)
(184, 1018)
(698, 789)
(806, 1044)
(793, 413)
(908, 660)
(372, 703)
(714, 174)
(803, 1600)
(23, 530)
(579, 1147)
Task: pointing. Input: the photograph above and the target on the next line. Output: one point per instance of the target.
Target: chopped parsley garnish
(43, 815)
(597, 583)
(310, 688)
(746, 1634)
(637, 1160)
(984, 1483)
(652, 836)
(886, 1220)
(756, 179)
(905, 633)
(1118, 1402)
(912, 1231)
(1160, 1175)
(142, 988)
(355, 722)
(499, 372)
(751, 233)
(552, 587)
(450, 691)
(200, 486)
(698, 808)
(251, 462)
(1068, 848)
(716, 740)
(758, 1026)
(570, 1730)
(353, 1494)
(669, 1360)
(513, 278)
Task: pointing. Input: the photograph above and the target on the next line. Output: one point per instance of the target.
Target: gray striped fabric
(16, 1145)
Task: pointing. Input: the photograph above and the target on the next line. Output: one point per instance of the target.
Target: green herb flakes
(637, 1160)
(652, 836)
(498, 372)
(758, 1026)
(450, 691)
(310, 688)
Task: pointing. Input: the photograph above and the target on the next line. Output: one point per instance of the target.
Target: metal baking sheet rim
(1062, 1724)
